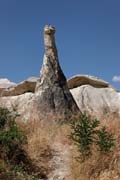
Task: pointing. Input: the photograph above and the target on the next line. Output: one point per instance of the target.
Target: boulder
(101, 102)
(23, 104)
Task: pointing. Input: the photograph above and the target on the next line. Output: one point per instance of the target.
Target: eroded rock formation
(49, 94)
(52, 89)
(82, 79)
(95, 95)
(11, 89)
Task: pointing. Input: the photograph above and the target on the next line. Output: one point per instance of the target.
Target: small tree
(85, 133)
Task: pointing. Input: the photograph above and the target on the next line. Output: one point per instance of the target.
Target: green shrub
(16, 159)
(105, 140)
(10, 136)
(85, 133)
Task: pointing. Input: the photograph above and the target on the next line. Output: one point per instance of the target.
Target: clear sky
(87, 37)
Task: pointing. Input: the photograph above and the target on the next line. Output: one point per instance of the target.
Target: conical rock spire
(52, 89)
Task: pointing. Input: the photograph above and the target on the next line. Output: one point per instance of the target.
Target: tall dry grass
(100, 166)
(42, 132)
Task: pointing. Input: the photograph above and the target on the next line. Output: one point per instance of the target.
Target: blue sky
(87, 37)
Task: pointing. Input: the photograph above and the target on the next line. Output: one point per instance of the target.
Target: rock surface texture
(60, 162)
(23, 104)
(52, 90)
(94, 95)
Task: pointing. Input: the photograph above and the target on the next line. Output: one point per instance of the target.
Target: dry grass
(42, 133)
(100, 166)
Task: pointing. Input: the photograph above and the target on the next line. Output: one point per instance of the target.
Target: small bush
(10, 136)
(12, 152)
(86, 132)
(105, 140)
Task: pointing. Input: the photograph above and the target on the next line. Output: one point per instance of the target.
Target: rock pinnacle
(52, 89)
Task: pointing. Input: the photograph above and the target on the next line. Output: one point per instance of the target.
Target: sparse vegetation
(14, 161)
(99, 165)
(86, 132)
(32, 157)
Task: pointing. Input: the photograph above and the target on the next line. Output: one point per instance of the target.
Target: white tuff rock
(94, 95)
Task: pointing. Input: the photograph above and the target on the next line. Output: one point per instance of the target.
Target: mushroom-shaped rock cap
(49, 29)
(80, 80)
